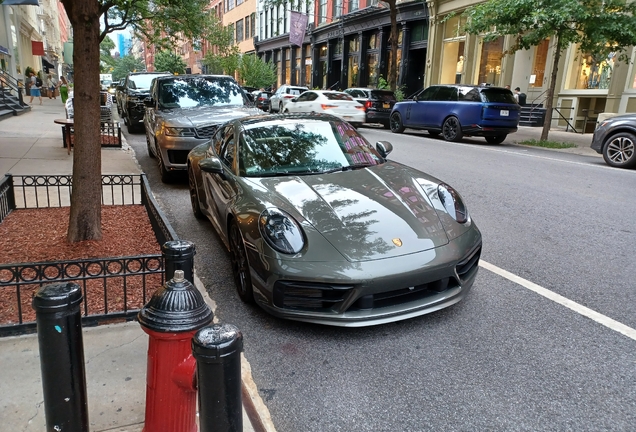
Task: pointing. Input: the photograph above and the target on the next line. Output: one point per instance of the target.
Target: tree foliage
(224, 58)
(167, 61)
(126, 64)
(160, 22)
(255, 72)
(106, 59)
(598, 27)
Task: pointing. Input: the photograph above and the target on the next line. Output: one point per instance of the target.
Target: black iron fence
(114, 288)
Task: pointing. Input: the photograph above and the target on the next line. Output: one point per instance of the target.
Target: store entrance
(333, 83)
(414, 81)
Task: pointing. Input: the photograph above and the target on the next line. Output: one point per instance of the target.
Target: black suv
(135, 89)
(377, 103)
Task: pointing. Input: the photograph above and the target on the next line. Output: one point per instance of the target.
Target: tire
(271, 111)
(166, 176)
(396, 123)
(452, 130)
(149, 146)
(194, 194)
(497, 139)
(240, 265)
(433, 133)
(286, 111)
(620, 150)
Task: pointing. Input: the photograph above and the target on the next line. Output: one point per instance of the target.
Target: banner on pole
(297, 28)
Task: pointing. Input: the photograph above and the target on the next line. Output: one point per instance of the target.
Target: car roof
(260, 118)
(193, 76)
(148, 73)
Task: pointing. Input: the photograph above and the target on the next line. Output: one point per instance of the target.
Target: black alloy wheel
(240, 265)
(166, 176)
(452, 129)
(396, 123)
(620, 150)
(194, 194)
(149, 146)
(497, 139)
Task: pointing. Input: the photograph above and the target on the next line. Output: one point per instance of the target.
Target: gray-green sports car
(321, 227)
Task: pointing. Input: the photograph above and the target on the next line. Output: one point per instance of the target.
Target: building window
(287, 66)
(338, 48)
(452, 70)
(353, 71)
(308, 64)
(490, 62)
(229, 5)
(238, 2)
(354, 44)
(322, 12)
(271, 22)
(261, 34)
(373, 66)
(337, 8)
(419, 32)
(538, 65)
(354, 5)
(592, 73)
(239, 31)
(247, 27)
(231, 27)
(253, 24)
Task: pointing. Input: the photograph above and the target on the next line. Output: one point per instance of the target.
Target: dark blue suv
(459, 110)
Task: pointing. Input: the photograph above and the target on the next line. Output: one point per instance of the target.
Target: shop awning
(47, 63)
(21, 2)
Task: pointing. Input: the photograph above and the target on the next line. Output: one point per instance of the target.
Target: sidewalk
(116, 354)
(582, 141)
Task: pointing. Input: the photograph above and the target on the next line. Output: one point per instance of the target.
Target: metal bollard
(175, 312)
(179, 255)
(217, 350)
(59, 323)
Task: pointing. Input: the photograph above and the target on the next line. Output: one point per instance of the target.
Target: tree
(107, 61)
(225, 55)
(393, 38)
(125, 65)
(159, 21)
(255, 72)
(167, 61)
(599, 27)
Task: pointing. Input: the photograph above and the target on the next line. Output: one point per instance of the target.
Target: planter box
(110, 135)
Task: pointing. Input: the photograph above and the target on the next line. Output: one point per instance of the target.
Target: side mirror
(415, 98)
(211, 165)
(294, 100)
(149, 102)
(384, 148)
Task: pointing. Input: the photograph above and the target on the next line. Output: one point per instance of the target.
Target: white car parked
(336, 103)
(284, 94)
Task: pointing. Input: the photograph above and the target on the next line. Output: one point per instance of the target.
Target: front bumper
(479, 130)
(174, 150)
(367, 293)
(598, 139)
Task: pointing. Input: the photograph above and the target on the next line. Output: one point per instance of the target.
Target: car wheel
(166, 176)
(286, 111)
(118, 109)
(149, 146)
(280, 107)
(452, 130)
(194, 194)
(240, 265)
(396, 123)
(619, 150)
(497, 139)
(433, 133)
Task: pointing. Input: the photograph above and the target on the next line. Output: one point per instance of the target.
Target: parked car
(136, 88)
(284, 94)
(322, 227)
(119, 97)
(184, 111)
(262, 100)
(615, 139)
(377, 103)
(336, 103)
(456, 111)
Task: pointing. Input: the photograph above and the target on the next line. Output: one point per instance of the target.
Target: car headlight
(281, 231)
(179, 132)
(453, 203)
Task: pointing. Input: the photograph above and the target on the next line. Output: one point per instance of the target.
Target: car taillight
(368, 104)
(261, 98)
(362, 108)
(326, 106)
(288, 97)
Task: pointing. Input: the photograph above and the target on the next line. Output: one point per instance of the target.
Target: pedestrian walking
(51, 85)
(36, 85)
(63, 85)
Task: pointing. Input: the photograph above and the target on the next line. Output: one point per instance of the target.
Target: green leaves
(167, 61)
(127, 64)
(255, 72)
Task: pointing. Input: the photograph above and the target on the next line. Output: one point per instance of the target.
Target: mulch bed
(106, 140)
(39, 235)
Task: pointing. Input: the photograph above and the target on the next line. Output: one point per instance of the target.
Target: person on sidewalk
(63, 85)
(51, 85)
(35, 88)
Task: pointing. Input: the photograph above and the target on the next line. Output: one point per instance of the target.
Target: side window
(312, 96)
(470, 94)
(446, 94)
(229, 148)
(304, 97)
(428, 94)
(217, 141)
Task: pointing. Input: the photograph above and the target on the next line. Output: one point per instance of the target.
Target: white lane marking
(580, 309)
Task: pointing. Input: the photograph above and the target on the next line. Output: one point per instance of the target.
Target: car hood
(366, 214)
(201, 116)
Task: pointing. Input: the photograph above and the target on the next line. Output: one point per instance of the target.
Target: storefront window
(538, 66)
(323, 69)
(297, 71)
(354, 44)
(308, 64)
(372, 62)
(353, 71)
(490, 62)
(323, 51)
(287, 66)
(453, 27)
(592, 73)
(453, 62)
(338, 48)
(374, 42)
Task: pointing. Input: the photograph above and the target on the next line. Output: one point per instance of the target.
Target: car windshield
(141, 82)
(497, 95)
(338, 96)
(293, 147)
(199, 91)
(385, 96)
(295, 91)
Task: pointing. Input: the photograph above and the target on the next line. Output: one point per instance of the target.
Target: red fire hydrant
(171, 318)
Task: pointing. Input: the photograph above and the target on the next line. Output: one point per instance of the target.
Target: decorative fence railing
(114, 288)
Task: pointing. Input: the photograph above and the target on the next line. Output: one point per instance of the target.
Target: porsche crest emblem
(397, 242)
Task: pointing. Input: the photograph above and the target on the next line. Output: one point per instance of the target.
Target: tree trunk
(551, 88)
(394, 45)
(85, 222)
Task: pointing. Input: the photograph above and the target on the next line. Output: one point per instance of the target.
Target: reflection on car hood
(366, 214)
(200, 116)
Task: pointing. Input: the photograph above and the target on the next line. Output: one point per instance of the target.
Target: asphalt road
(506, 358)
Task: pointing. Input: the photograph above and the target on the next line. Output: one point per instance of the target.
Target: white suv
(283, 94)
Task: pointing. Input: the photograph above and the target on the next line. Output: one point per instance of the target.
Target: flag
(297, 27)
(37, 48)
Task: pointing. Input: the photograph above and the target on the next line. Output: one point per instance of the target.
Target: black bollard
(57, 308)
(217, 350)
(179, 255)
